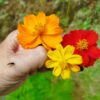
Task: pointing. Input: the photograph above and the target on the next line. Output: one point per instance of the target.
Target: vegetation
(74, 14)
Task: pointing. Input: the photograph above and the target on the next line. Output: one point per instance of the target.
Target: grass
(43, 86)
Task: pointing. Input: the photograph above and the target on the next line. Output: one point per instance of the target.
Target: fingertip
(42, 51)
(41, 54)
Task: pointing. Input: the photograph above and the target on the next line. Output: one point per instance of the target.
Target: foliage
(43, 86)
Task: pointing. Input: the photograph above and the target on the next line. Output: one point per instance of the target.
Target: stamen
(82, 44)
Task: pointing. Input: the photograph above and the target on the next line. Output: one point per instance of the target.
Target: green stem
(68, 8)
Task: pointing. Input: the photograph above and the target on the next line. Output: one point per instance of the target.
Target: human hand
(17, 63)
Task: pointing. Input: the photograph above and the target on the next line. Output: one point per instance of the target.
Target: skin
(17, 63)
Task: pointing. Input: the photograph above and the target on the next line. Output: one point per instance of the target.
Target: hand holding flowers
(65, 54)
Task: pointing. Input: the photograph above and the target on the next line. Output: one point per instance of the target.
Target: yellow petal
(65, 74)
(54, 55)
(75, 68)
(59, 47)
(74, 60)
(41, 18)
(68, 51)
(51, 41)
(57, 71)
(51, 64)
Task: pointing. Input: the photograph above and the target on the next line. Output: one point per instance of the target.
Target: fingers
(12, 36)
(11, 43)
(29, 60)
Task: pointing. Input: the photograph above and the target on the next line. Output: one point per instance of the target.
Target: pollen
(39, 28)
(82, 44)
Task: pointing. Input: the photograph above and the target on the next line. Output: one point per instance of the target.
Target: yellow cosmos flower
(40, 29)
(63, 60)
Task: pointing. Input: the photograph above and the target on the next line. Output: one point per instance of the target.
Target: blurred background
(74, 14)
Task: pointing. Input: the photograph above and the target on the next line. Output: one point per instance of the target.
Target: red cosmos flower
(85, 44)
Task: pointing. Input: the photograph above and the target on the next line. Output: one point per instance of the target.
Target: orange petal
(53, 19)
(51, 41)
(41, 18)
(30, 21)
(28, 41)
(25, 40)
(46, 46)
(52, 29)
(35, 43)
(52, 25)
(22, 29)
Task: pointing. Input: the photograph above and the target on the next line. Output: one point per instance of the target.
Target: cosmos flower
(40, 29)
(85, 45)
(63, 61)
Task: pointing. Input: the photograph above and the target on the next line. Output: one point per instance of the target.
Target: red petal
(91, 62)
(71, 38)
(92, 37)
(67, 40)
(85, 58)
(94, 52)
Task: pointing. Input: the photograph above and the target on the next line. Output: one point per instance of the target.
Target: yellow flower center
(82, 44)
(63, 64)
(39, 28)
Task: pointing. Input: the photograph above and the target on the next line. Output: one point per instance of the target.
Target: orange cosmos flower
(40, 29)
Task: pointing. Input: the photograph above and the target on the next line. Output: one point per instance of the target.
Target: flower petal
(41, 18)
(35, 43)
(74, 60)
(57, 71)
(94, 36)
(65, 74)
(22, 29)
(27, 40)
(68, 51)
(52, 26)
(75, 68)
(51, 41)
(51, 64)
(94, 52)
(71, 38)
(60, 49)
(45, 45)
(52, 29)
(54, 55)
(29, 22)
(53, 19)
(91, 62)
(85, 58)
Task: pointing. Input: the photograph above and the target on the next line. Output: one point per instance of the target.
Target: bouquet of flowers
(74, 51)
